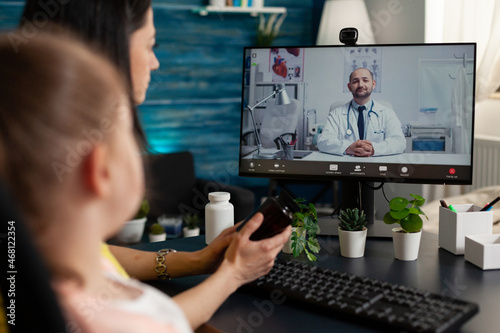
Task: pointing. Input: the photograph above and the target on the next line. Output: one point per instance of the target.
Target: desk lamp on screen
(418, 117)
(281, 99)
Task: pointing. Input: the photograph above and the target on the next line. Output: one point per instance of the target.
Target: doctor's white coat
(384, 133)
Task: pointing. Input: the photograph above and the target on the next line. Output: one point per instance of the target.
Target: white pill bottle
(219, 215)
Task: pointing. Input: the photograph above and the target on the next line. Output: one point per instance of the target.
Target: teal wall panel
(194, 98)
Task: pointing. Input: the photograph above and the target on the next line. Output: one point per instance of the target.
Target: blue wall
(194, 98)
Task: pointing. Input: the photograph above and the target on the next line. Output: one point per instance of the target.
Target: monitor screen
(301, 116)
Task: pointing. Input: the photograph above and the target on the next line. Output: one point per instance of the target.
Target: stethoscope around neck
(349, 129)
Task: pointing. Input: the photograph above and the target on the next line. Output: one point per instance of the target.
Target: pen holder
(287, 152)
(454, 226)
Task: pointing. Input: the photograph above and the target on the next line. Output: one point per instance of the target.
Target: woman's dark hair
(103, 24)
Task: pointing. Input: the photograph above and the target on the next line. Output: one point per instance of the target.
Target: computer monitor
(418, 123)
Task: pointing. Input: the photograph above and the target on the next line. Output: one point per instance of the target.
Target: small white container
(190, 232)
(219, 215)
(157, 237)
(352, 243)
(406, 244)
(217, 3)
(467, 221)
(132, 231)
(483, 251)
(172, 224)
(258, 3)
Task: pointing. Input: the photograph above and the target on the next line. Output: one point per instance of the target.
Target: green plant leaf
(307, 221)
(143, 209)
(400, 214)
(415, 210)
(312, 210)
(419, 201)
(388, 219)
(298, 245)
(307, 218)
(421, 212)
(311, 256)
(298, 219)
(398, 203)
(412, 223)
(313, 245)
(296, 252)
(300, 200)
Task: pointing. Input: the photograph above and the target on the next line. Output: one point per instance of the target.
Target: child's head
(66, 129)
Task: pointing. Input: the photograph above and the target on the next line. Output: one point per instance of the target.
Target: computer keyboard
(364, 300)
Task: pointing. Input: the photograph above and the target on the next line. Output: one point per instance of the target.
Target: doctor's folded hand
(360, 148)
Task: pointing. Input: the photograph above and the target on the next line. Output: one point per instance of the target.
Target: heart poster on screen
(286, 64)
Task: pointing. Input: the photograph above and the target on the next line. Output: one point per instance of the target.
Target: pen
(452, 209)
(488, 206)
(443, 203)
(283, 143)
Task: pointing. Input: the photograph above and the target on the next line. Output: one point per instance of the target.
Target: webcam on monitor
(348, 36)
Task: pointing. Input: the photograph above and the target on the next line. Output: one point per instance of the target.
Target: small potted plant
(304, 230)
(406, 213)
(191, 221)
(352, 233)
(157, 233)
(133, 230)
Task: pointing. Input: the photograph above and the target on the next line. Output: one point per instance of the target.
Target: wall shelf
(253, 11)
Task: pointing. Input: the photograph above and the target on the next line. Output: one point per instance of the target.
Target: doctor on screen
(362, 127)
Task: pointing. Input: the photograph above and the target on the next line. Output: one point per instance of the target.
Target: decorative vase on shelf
(257, 3)
(217, 3)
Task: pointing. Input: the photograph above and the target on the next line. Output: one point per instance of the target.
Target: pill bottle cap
(219, 196)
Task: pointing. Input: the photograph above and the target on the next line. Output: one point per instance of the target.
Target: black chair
(174, 189)
(35, 307)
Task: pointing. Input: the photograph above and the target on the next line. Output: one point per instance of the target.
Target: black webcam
(348, 36)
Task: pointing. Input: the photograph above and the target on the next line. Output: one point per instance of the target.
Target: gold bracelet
(161, 268)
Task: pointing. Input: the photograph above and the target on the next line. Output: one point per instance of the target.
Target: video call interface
(417, 120)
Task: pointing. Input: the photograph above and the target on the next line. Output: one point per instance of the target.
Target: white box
(468, 220)
(483, 250)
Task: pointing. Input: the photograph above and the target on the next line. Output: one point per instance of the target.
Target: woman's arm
(244, 261)
(141, 264)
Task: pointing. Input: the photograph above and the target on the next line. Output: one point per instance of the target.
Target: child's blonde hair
(57, 100)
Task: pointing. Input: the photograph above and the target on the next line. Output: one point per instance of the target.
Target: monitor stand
(357, 194)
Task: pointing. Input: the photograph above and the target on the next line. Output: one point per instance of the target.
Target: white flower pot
(190, 232)
(352, 243)
(287, 248)
(406, 244)
(157, 237)
(132, 231)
